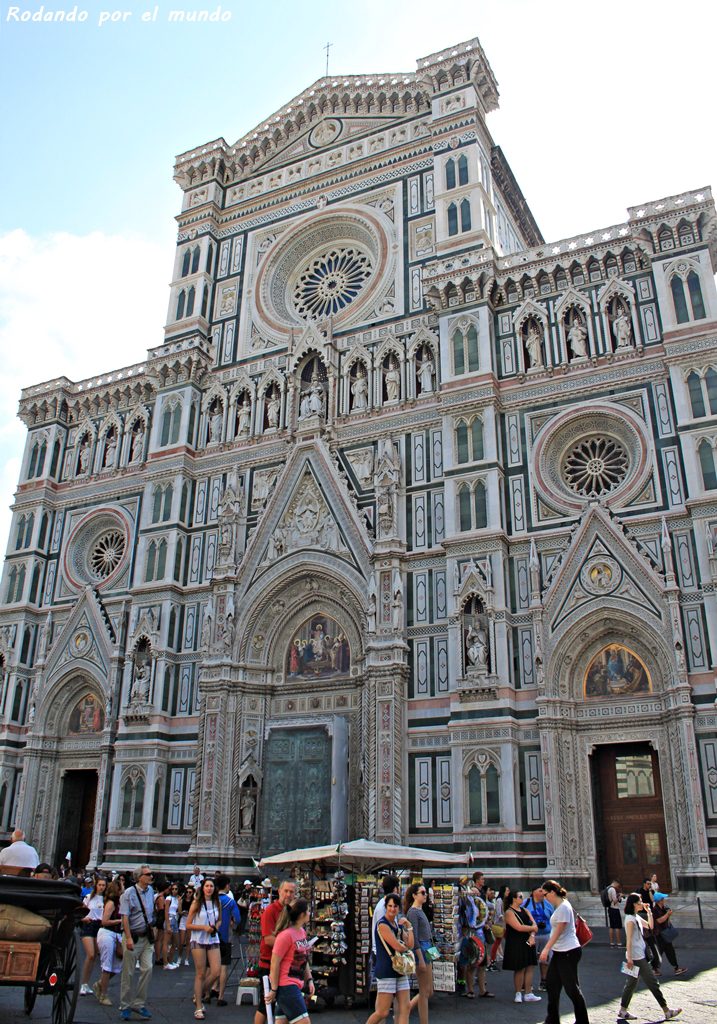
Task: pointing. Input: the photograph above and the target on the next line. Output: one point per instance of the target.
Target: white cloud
(75, 306)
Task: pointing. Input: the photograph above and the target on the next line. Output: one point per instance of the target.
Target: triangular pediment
(85, 639)
(310, 512)
(601, 566)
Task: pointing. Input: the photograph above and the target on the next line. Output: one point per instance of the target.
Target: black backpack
(604, 898)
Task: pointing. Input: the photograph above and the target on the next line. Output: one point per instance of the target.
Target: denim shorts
(290, 1003)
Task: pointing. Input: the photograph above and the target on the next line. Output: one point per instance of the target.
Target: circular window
(97, 549)
(595, 465)
(339, 262)
(106, 554)
(581, 455)
(331, 282)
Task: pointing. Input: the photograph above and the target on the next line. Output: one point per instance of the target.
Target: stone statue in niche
(397, 602)
(425, 372)
(533, 346)
(371, 606)
(207, 627)
(141, 684)
(359, 392)
(243, 418)
(230, 508)
(272, 409)
(392, 380)
(135, 452)
(316, 397)
(477, 648)
(84, 460)
(386, 480)
(110, 449)
(247, 809)
(215, 424)
(577, 339)
(622, 330)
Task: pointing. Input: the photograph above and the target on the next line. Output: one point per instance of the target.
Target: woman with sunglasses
(394, 934)
(636, 956)
(566, 952)
(520, 956)
(185, 905)
(413, 904)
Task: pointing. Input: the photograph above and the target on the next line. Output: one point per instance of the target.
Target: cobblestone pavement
(696, 992)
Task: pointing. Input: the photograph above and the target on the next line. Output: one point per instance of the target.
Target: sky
(602, 106)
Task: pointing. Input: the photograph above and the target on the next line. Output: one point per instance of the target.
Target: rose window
(106, 554)
(330, 282)
(595, 465)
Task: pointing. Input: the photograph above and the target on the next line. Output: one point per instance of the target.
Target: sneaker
(85, 990)
(669, 1014)
(680, 970)
(186, 963)
(530, 997)
(126, 1014)
(518, 997)
(143, 1012)
(170, 967)
(624, 1015)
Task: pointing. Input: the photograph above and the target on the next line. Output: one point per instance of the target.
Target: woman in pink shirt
(290, 968)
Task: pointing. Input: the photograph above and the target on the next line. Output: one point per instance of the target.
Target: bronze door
(77, 817)
(631, 837)
(296, 806)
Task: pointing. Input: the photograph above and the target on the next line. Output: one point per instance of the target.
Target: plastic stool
(246, 990)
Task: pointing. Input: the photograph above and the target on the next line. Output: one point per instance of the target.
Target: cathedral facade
(406, 530)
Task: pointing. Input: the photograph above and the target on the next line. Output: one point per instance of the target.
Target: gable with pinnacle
(84, 641)
(600, 568)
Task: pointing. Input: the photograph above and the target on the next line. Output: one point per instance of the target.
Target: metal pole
(699, 910)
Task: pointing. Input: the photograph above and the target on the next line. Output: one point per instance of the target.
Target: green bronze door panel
(297, 790)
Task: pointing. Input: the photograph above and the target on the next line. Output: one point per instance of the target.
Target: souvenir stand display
(341, 904)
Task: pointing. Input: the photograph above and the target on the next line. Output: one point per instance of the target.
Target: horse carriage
(47, 962)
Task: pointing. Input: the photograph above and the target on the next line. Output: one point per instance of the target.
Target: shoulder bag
(582, 930)
(150, 930)
(669, 933)
(402, 961)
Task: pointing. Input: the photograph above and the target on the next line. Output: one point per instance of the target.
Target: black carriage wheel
(30, 997)
(64, 999)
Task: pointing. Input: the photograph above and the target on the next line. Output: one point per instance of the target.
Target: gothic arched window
(462, 170)
(694, 385)
(707, 465)
(711, 387)
(181, 302)
(195, 259)
(171, 420)
(452, 219)
(450, 174)
(186, 262)
(465, 215)
(191, 295)
(464, 508)
(695, 290)
(479, 503)
(678, 297)
(483, 785)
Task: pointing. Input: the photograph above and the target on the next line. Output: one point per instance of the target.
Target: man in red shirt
(287, 895)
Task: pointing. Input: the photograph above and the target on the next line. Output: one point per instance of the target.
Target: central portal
(297, 790)
(630, 830)
(77, 815)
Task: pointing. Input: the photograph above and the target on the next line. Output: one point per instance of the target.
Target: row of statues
(109, 456)
(577, 337)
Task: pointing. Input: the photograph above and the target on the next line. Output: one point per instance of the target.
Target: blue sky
(602, 106)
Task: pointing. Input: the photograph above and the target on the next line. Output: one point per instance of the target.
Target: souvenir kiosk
(343, 884)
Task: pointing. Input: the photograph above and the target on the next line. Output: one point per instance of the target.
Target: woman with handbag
(413, 904)
(563, 950)
(498, 926)
(636, 960)
(393, 950)
(203, 922)
(109, 942)
(665, 931)
(520, 956)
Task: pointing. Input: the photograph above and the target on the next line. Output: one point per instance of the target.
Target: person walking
(230, 912)
(162, 931)
(635, 956)
(136, 909)
(290, 969)
(541, 912)
(174, 953)
(520, 956)
(203, 926)
(394, 933)
(109, 942)
(498, 927)
(561, 955)
(89, 927)
(662, 917)
(648, 931)
(613, 913)
(269, 919)
(185, 905)
(413, 903)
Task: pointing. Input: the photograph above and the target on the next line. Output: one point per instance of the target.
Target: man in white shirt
(197, 878)
(613, 913)
(19, 854)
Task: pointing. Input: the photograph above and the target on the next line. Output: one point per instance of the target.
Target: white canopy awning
(367, 855)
